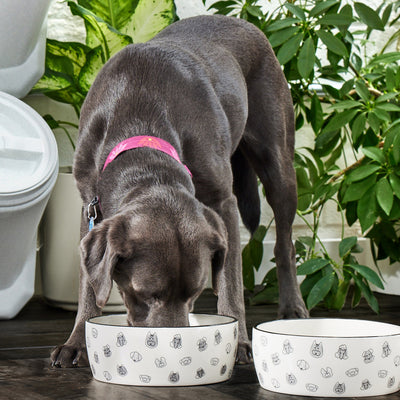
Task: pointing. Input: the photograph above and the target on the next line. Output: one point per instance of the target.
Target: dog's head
(159, 256)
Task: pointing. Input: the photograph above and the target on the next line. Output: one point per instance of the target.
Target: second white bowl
(327, 357)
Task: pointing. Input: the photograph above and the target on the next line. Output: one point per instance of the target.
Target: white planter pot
(390, 273)
(59, 255)
(23, 28)
(391, 277)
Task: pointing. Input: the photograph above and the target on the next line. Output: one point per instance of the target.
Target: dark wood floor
(26, 374)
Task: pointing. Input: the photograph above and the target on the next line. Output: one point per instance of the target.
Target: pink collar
(143, 141)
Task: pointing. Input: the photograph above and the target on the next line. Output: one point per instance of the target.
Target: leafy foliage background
(351, 100)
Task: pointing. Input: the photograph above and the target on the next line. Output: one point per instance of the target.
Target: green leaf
(114, 13)
(366, 210)
(90, 70)
(320, 290)
(280, 37)
(53, 124)
(309, 282)
(311, 266)
(260, 233)
(396, 148)
(374, 122)
(248, 270)
(387, 107)
(317, 115)
(357, 190)
(386, 14)
(381, 115)
(149, 18)
(339, 120)
(362, 90)
(269, 295)
(387, 96)
(341, 294)
(345, 105)
(386, 58)
(255, 11)
(335, 19)
(289, 49)
(369, 16)
(358, 126)
(375, 154)
(326, 142)
(307, 240)
(362, 172)
(332, 43)
(346, 245)
(281, 24)
(356, 296)
(390, 78)
(271, 277)
(71, 53)
(296, 10)
(100, 33)
(256, 250)
(369, 274)
(347, 87)
(306, 59)
(361, 288)
(384, 195)
(51, 82)
(321, 6)
(395, 183)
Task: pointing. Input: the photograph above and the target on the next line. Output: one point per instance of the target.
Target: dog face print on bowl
(316, 349)
(197, 355)
(121, 340)
(202, 344)
(176, 342)
(314, 360)
(151, 340)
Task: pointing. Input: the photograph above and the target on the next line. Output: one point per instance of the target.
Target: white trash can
(23, 28)
(28, 172)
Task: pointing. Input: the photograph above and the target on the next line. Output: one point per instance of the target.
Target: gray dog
(212, 88)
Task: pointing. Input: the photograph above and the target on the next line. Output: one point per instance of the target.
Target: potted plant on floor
(354, 112)
(71, 68)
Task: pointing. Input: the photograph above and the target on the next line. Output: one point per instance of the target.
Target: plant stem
(68, 123)
(69, 136)
(314, 232)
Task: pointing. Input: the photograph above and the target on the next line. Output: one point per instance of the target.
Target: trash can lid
(28, 150)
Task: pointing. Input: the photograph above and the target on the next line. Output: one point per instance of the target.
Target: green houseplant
(355, 106)
(71, 68)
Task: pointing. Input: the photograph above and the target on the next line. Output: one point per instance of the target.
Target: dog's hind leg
(268, 144)
(245, 188)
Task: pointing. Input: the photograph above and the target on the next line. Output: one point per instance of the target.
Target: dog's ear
(218, 243)
(100, 250)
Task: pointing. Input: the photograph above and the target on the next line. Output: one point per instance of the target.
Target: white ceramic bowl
(199, 354)
(327, 357)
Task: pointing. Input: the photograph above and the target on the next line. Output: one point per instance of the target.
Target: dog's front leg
(73, 352)
(228, 280)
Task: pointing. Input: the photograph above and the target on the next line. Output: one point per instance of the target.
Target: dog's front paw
(244, 355)
(68, 356)
(290, 311)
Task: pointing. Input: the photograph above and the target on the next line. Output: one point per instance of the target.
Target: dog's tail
(245, 188)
